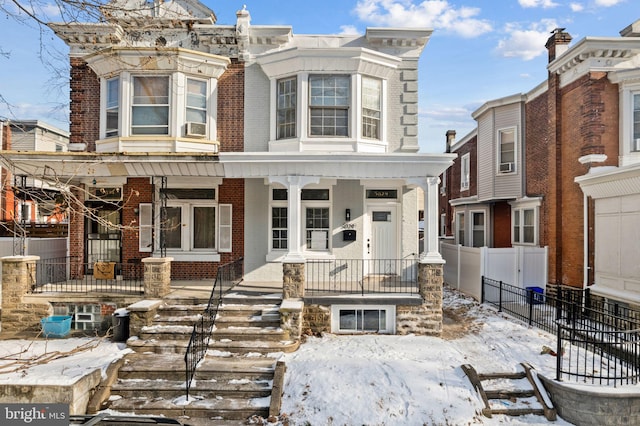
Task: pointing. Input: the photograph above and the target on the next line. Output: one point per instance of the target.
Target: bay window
(329, 100)
(524, 226)
(150, 106)
(371, 107)
(460, 228)
(196, 102)
(286, 108)
(478, 229)
(507, 150)
(465, 165)
(113, 107)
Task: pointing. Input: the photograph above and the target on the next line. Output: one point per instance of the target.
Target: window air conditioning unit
(193, 129)
(506, 167)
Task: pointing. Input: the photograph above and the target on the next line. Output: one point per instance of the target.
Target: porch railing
(72, 275)
(597, 342)
(362, 276)
(228, 276)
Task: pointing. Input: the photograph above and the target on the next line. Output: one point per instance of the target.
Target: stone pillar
(157, 276)
(430, 282)
(18, 278)
(291, 318)
(293, 280)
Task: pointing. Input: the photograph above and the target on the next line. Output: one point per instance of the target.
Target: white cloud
(436, 14)
(545, 4)
(349, 30)
(576, 7)
(528, 43)
(608, 3)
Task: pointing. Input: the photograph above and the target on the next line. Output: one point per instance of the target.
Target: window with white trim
(150, 105)
(507, 150)
(371, 107)
(196, 102)
(113, 107)
(279, 219)
(286, 108)
(460, 228)
(145, 232)
(194, 221)
(524, 225)
(465, 164)
(363, 319)
(315, 204)
(478, 229)
(329, 99)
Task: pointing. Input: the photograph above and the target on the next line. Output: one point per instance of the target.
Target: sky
(480, 50)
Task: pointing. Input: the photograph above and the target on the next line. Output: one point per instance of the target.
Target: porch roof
(79, 166)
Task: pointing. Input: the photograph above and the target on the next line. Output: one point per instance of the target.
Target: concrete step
(249, 334)
(169, 389)
(240, 347)
(172, 367)
(206, 408)
(181, 310)
(237, 310)
(166, 332)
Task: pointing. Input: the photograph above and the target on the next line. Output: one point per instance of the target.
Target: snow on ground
(412, 380)
(55, 361)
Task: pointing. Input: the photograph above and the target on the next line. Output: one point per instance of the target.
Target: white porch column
(429, 185)
(294, 185)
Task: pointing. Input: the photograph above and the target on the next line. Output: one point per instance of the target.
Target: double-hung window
(507, 150)
(113, 107)
(196, 101)
(286, 108)
(465, 164)
(279, 212)
(524, 226)
(150, 106)
(329, 98)
(316, 208)
(460, 228)
(371, 107)
(478, 229)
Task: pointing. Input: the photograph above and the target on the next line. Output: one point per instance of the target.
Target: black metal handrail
(590, 334)
(72, 275)
(227, 277)
(362, 276)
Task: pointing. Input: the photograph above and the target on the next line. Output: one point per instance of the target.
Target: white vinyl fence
(518, 266)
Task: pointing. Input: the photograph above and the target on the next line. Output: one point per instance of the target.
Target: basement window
(350, 319)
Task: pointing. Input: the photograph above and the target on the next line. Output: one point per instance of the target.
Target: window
(460, 228)
(443, 183)
(362, 319)
(113, 107)
(150, 106)
(145, 233)
(279, 228)
(524, 226)
(196, 101)
(317, 228)
(507, 150)
(329, 105)
(635, 142)
(464, 172)
(478, 233)
(443, 224)
(371, 107)
(193, 221)
(286, 108)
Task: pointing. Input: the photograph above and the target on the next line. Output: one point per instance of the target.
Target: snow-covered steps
(511, 393)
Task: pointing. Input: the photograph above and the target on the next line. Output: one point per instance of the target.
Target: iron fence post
(500, 298)
(530, 300)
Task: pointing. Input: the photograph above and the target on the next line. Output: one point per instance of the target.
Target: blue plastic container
(535, 295)
(56, 326)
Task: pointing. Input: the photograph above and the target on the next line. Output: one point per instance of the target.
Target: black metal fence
(362, 276)
(72, 275)
(227, 277)
(598, 341)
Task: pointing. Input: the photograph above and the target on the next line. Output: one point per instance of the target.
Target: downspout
(585, 240)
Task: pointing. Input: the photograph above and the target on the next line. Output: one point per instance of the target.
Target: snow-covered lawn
(412, 380)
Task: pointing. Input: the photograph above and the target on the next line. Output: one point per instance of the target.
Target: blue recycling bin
(535, 295)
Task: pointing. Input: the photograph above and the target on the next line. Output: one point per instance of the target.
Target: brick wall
(76, 224)
(85, 104)
(135, 191)
(7, 181)
(454, 178)
(231, 108)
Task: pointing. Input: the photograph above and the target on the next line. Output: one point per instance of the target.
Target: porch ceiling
(78, 166)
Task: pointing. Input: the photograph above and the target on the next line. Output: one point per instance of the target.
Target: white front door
(382, 240)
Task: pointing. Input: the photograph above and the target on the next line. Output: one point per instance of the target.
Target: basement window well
(349, 319)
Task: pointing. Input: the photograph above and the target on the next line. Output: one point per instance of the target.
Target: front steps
(232, 383)
(511, 394)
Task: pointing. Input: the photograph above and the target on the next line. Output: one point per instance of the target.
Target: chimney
(451, 139)
(558, 43)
